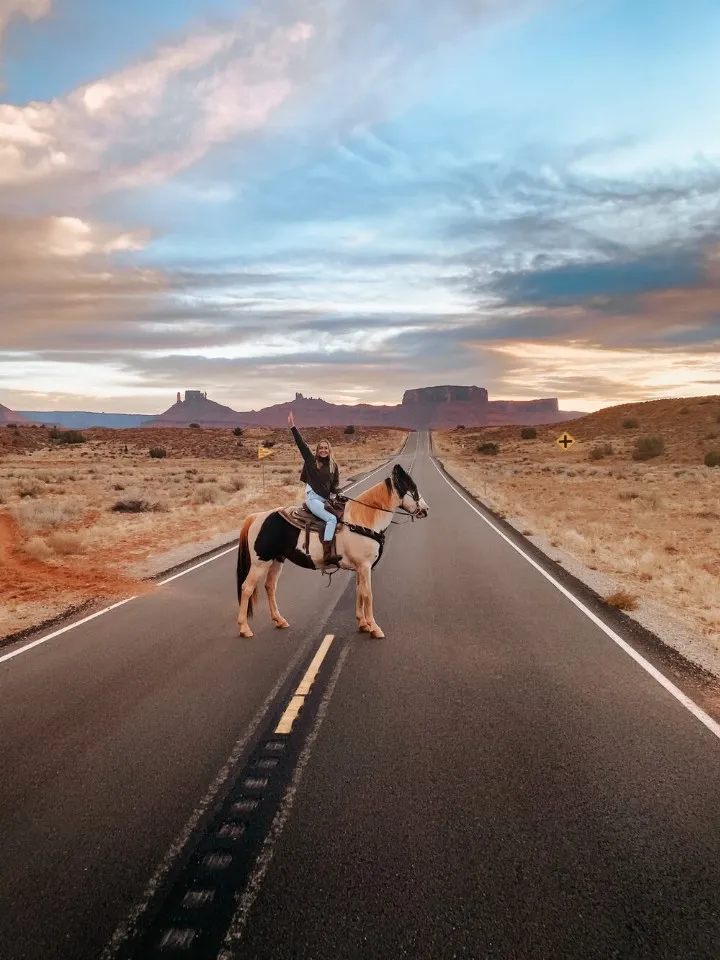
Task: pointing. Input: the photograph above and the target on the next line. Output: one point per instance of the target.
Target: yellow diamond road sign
(565, 440)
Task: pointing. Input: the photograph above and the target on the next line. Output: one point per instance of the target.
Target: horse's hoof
(282, 624)
(377, 633)
(364, 627)
(246, 632)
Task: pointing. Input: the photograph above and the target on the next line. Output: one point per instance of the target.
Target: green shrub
(158, 453)
(195, 426)
(601, 450)
(269, 443)
(648, 447)
(238, 432)
(349, 429)
(712, 459)
(488, 449)
(631, 423)
(528, 433)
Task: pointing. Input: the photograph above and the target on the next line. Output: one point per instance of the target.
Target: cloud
(155, 118)
(32, 9)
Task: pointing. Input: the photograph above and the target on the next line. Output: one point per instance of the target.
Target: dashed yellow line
(298, 699)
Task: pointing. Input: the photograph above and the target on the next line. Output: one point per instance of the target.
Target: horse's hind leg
(247, 595)
(271, 588)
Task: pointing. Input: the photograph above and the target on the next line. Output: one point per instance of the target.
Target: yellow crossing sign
(263, 452)
(565, 440)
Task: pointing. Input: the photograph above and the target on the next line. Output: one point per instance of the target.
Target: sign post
(262, 453)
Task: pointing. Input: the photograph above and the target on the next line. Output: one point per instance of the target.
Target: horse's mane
(362, 510)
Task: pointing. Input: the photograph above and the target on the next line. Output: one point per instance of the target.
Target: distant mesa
(8, 417)
(196, 408)
(425, 408)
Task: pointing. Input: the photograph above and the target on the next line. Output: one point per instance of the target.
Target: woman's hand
(291, 420)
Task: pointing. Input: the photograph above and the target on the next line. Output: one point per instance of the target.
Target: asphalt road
(496, 779)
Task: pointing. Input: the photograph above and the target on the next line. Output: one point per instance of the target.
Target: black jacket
(315, 472)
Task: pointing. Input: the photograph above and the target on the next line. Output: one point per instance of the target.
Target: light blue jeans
(316, 505)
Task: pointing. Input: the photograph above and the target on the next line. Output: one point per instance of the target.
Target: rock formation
(424, 408)
(196, 408)
(7, 417)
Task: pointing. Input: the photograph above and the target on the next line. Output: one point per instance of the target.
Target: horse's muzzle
(421, 514)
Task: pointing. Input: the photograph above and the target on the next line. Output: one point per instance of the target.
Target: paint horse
(268, 539)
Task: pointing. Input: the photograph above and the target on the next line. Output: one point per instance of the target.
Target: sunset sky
(349, 198)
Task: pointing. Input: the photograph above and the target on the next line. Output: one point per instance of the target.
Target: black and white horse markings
(267, 540)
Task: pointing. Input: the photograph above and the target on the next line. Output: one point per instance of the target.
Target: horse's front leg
(363, 624)
(372, 627)
(271, 588)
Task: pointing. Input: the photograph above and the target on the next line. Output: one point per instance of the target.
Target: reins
(404, 513)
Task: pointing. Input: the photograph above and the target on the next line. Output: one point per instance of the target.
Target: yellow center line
(298, 699)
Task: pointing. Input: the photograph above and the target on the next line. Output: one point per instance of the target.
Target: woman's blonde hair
(331, 459)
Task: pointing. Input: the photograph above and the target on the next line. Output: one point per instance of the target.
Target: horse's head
(411, 500)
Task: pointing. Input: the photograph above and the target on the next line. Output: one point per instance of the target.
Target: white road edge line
(712, 725)
(161, 583)
(297, 701)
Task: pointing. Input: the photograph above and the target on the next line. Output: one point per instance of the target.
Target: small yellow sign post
(262, 453)
(565, 440)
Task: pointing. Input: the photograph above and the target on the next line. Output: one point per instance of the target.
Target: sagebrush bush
(66, 542)
(29, 487)
(601, 450)
(712, 458)
(349, 429)
(205, 494)
(646, 448)
(622, 600)
(132, 505)
(195, 426)
(630, 423)
(37, 548)
(528, 433)
(488, 449)
(158, 453)
(67, 436)
(233, 484)
(42, 515)
(238, 432)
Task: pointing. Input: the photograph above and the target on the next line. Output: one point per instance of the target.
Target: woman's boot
(330, 558)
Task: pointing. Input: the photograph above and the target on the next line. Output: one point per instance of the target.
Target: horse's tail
(244, 562)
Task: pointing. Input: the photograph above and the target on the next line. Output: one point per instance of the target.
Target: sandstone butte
(426, 408)
(8, 417)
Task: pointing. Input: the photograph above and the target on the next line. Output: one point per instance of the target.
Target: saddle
(299, 516)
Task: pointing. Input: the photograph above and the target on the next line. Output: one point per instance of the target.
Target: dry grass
(622, 600)
(61, 540)
(653, 526)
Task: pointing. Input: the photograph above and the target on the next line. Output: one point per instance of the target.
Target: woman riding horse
(321, 477)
